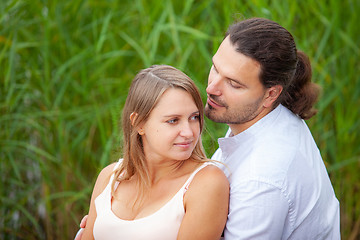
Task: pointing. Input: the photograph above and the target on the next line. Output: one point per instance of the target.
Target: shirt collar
(229, 143)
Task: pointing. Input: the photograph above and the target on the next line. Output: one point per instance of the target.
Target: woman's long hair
(145, 91)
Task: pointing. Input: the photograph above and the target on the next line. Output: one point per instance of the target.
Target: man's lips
(212, 103)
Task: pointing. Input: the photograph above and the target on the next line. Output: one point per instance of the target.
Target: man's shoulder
(268, 160)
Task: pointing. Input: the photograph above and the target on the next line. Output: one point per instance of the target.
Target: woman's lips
(183, 144)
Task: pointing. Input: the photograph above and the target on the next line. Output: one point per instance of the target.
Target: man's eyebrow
(237, 81)
(212, 60)
(231, 79)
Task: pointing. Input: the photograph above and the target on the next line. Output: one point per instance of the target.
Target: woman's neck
(159, 171)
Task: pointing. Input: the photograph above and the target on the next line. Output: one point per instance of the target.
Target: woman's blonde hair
(145, 91)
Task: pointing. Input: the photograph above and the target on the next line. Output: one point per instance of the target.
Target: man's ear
(272, 95)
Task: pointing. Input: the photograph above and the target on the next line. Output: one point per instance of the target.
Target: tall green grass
(65, 68)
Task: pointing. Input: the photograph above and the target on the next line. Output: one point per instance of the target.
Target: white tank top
(164, 224)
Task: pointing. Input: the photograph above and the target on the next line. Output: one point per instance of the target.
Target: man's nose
(214, 85)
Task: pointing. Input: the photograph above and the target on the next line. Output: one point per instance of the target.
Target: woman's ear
(133, 117)
(272, 94)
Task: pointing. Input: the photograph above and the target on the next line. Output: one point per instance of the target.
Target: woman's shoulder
(209, 183)
(104, 178)
(106, 171)
(211, 174)
(109, 169)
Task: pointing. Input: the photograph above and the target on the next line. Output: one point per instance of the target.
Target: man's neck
(239, 128)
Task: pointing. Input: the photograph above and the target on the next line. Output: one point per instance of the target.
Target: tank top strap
(187, 183)
(118, 163)
(112, 175)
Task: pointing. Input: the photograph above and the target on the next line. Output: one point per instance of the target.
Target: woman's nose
(186, 130)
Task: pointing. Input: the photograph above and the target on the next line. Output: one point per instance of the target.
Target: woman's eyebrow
(179, 115)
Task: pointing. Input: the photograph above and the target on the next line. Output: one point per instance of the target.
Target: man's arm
(258, 210)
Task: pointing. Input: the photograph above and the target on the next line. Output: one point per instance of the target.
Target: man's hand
(83, 221)
(82, 226)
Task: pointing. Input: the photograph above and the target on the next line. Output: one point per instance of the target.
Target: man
(260, 85)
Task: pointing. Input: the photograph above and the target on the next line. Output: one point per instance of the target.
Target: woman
(164, 187)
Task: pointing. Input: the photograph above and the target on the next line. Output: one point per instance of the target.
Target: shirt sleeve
(258, 210)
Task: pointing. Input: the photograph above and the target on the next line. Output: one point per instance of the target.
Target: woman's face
(173, 127)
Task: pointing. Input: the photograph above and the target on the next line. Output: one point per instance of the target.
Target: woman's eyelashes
(173, 121)
(195, 117)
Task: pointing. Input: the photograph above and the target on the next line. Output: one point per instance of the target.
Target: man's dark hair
(281, 63)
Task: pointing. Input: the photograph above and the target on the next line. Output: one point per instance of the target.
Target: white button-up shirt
(279, 186)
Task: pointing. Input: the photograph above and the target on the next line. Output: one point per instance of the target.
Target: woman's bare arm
(101, 183)
(206, 206)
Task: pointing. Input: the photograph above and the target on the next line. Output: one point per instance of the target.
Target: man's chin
(211, 115)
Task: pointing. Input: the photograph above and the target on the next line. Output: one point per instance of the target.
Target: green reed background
(65, 68)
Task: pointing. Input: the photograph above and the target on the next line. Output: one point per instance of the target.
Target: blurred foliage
(65, 69)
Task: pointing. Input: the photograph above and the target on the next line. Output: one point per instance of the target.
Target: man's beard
(233, 116)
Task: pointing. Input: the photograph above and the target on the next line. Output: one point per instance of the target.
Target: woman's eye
(172, 121)
(195, 117)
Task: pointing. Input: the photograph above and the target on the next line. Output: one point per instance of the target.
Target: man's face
(235, 93)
